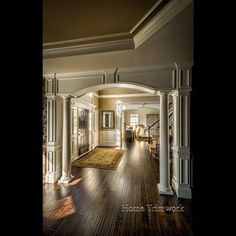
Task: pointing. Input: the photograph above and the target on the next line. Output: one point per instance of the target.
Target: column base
(65, 180)
(52, 177)
(165, 191)
(184, 191)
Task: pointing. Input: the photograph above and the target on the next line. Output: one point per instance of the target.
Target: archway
(176, 82)
(96, 88)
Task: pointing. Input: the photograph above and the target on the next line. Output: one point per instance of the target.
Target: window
(133, 120)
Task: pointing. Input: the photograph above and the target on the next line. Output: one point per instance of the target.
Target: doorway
(83, 130)
(80, 131)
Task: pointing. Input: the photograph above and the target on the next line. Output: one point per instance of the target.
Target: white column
(164, 185)
(53, 155)
(66, 140)
(181, 146)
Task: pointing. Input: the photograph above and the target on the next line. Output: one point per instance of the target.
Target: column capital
(181, 92)
(156, 93)
(163, 92)
(66, 96)
(51, 96)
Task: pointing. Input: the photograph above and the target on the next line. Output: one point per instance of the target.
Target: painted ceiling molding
(142, 31)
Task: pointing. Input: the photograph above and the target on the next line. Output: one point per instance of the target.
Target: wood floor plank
(124, 201)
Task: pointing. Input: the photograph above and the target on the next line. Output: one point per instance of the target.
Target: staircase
(153, 136)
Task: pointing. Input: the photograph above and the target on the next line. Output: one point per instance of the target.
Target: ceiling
(106, 34)
(173, 43)
(82, 27)
(74, 19)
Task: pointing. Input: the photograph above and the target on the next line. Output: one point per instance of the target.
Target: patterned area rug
(105, 158)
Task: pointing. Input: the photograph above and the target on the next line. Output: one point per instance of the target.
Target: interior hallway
(101, 202)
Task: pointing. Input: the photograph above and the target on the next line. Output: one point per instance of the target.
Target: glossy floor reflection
(124, 201)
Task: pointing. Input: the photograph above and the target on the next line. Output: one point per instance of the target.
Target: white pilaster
(54, 148)
(181, 148)
(66, 140)
(164, 185)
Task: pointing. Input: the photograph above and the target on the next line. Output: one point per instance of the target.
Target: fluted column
(181, 180)
(54, 148)
(164, 185)
(66, 140)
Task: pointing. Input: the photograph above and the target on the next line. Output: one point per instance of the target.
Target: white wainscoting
(95, 139)
(108, 138)
(96, 129)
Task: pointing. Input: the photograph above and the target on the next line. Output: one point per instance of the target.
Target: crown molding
(141, 21)
(119, 41)
(88, 40)
(168, 12)
(89, 48)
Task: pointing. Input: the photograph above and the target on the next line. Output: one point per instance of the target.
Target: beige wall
(142, 112)
(110, 104)
(112, 91)
(106, 104)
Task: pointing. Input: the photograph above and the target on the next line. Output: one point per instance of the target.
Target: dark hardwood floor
(116, 202)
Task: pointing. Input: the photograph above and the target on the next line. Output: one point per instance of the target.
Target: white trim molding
(168, 12)
(119, 41)
(113, 85)
(89, 48)
(163, 77)
(146, 16)
(87, 40)
(108, 138)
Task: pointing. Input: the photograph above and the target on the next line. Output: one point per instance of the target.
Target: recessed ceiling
(87, 27)
(173, 43)
(74, 19)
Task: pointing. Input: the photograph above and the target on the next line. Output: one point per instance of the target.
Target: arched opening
(135, 108)
(114, 99)
(138, 168)
(101, 101)
(99, 87)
